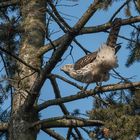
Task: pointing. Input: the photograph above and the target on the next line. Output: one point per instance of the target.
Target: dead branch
(66, 80)
(56, 57)
(58, 95)
(56, 20)
(106, 26)
(67, 122)
(86, 16)
(60, 19)
(49, 47)
(84, 94)
(119, 9)
(53, 134)
(88, 30)
(19, 59)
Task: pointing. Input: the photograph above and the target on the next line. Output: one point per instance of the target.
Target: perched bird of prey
(95, 67)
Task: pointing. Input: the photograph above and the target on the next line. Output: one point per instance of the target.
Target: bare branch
(125, 38)
(56, 19)
(88, 30)
(121, 77)
(17, 58)
(67, 81)
(56, 57)
(8, 3)
(49, 47)
(53, 134)
(58, 95)
(69, 133)
(61, 20)
(82, 21)
(84, 94)
(84, 49)
(119, 9)
(87, 15)
(103, 27)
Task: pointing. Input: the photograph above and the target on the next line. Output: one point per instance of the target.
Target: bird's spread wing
(85, 60)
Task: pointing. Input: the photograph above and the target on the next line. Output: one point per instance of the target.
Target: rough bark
(87, 93)
(29, 79)
(33, 23)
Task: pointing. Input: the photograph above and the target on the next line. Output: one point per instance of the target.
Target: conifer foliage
(36, 39)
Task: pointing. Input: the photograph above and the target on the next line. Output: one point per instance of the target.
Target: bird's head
(67, 68)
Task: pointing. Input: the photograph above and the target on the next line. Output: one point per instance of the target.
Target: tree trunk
(33, 27)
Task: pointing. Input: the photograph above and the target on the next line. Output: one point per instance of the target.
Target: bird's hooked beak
(62, 68)
(117, 47)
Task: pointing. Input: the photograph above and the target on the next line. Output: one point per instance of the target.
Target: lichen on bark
(33, 36)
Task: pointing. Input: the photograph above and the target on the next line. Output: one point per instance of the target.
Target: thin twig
(136, 5)
(69, 133)
(56, 20)
(123, 37)
(53, 134)
(134, 26)
(67, 81)
(67, 121)
(118, 10)
(61, 20)
(107, 25)
(58, 95)
(85, 50)
(20, 60)
(123, 78)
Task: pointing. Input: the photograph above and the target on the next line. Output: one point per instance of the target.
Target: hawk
(95, 67)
